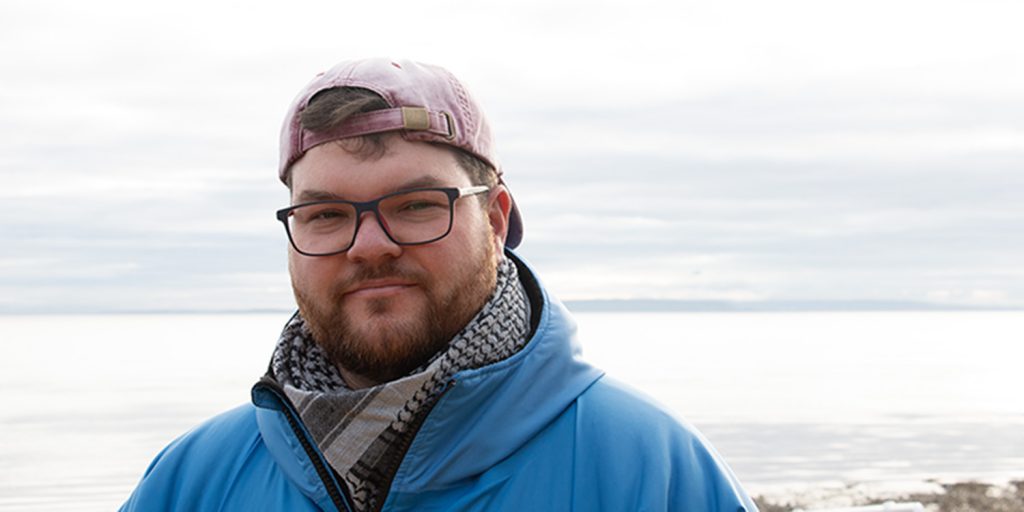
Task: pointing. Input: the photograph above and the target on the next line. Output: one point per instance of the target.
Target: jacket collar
(469, 430)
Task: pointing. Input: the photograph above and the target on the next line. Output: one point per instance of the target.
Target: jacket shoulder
(221, 464)
(611, 404)
(647, 457)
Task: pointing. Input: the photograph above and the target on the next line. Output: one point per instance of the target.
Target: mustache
(387, 270)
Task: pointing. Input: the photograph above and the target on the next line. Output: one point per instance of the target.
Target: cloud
(721, 150)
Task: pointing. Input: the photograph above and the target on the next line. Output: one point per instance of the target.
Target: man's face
(379, 310)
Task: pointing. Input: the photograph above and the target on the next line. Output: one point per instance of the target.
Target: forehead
(332, 169)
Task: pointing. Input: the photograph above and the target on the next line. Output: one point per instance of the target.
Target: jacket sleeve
(632, 454)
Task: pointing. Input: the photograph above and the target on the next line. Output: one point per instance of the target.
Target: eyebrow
(316, 195)
(307, 196)
(421, 182)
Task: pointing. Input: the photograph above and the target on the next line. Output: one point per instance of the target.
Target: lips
(378, 288)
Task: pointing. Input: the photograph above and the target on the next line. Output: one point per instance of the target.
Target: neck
(356, 381)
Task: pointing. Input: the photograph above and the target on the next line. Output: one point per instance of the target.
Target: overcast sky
(725, 150)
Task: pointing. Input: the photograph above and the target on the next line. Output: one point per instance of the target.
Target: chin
(381, 338)
(381, 311)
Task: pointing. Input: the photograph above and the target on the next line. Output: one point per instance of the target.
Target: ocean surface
(788, 399)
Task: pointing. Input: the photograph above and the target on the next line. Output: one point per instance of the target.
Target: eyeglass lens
(408, 218)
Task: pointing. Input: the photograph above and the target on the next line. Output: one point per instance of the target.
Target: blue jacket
(541, 430)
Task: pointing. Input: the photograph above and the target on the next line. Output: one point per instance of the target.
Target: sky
(731, 150)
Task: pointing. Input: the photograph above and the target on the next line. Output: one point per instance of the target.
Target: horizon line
(607, 306)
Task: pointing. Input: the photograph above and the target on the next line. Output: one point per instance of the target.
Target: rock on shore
(968, 496)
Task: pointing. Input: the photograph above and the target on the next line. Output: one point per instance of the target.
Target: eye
(329, 214)
(321, 214)
(420, 205)
(415, 206)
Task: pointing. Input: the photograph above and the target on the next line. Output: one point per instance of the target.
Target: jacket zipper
(338, 496)
(407, 443)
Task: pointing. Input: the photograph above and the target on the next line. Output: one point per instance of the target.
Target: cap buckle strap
(415, 118)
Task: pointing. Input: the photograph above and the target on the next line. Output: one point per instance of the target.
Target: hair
(329, 108)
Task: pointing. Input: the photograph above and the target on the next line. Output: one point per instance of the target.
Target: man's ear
(499, 204)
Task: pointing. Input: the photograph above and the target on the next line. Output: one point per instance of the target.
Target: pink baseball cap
(428, 104)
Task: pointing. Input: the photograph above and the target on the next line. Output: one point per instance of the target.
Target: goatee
(397, 342)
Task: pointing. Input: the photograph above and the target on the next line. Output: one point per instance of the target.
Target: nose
(371, 242)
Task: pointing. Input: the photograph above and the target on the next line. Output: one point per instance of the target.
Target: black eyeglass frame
(372, 206)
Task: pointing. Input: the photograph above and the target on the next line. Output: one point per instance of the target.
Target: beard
(393, 343)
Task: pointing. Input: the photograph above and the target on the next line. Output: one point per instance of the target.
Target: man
(427, 368)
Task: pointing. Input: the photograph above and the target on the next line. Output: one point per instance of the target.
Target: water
(787, 398)
(834, 397)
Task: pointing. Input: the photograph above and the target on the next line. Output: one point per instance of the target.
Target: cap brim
(515, 227)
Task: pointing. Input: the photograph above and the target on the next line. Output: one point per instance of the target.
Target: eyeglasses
(409, 217)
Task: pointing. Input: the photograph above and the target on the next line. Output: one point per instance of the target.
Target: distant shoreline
(659, 305)
(609, 306)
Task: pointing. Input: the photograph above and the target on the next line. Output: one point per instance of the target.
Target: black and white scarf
(364, 433)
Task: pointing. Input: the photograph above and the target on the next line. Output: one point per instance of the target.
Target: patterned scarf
(364, 433)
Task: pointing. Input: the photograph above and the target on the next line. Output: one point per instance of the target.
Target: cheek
(307, 274)
(295, 267)
(476, 242)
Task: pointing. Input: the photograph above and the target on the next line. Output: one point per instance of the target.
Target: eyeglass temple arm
(469, 191)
